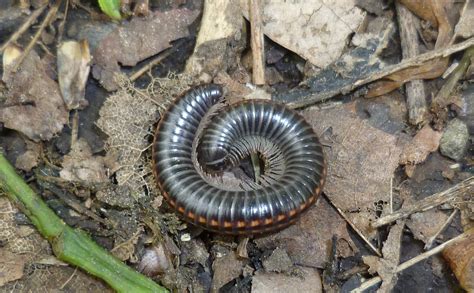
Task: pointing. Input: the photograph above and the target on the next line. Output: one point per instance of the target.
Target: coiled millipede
(294, 172)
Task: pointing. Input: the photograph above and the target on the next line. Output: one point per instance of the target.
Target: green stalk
(71, 245)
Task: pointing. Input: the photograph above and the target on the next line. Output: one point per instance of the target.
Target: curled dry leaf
(35, 106)
(316, 30)
(460, 257)
(435, 12)
(425, 142)
(73, 69)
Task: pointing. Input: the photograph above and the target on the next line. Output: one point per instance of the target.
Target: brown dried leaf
(361, 162)
(81, 165)
(35, 105)
(426, 224)
(11, 266)
(137, 40)
(316, 30)
(460, 257)
(422, 9)
(226, 269)
(386, 266)
(430, 70)
(73, 69)
(308, 241)
(309, 281)
(425, 142)
(29, 159)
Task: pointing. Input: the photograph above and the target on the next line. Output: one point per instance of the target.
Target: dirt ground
(386, 85)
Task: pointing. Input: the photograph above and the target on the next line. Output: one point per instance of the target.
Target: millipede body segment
(293, 176)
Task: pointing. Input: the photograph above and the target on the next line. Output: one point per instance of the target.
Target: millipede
(294, 167)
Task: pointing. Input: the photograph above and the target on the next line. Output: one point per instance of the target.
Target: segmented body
(274, 131)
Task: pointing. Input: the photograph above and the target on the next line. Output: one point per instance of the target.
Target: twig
(459, 190)
(415, 89)
(354, 227)
(410, 62)
(371, 282)
(46, 20)
(23, 27)
(430, 241)
(70, 245)
(256, 28)
(152, 63)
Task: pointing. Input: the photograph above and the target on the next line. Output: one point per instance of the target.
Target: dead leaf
(460, 257)
(361, 162)
(226, 268)
(265, 282)
(11, 266)
(315, 30)
(386, 267)
(35, 105)
(426, 224)
(425, 142)
(81, 165)
(135, 41)
(73, 69)
(422, 9)
(308, 241)
(29, 159)
(430, 70)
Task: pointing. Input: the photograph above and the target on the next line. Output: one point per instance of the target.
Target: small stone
(453, 143)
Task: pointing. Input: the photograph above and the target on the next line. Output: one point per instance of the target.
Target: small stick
(313, 98)
(46, 20)
(256, 28)
(23, 27)
(371, 282)
(415, 89)
(152, 63)
(433, 238)
(458, 190)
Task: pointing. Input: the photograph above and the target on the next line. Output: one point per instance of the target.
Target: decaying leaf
(73, 69)
(361, 162)
(29, 159)
(435, 12)
(386, 267)
(425, 142)
(81, 165)
(315, 30)
(429, 70)
(426, 224)
(11, 266)
(460, 257)
(308, 241)
(35, 106)
(134, 41)
(309, 281)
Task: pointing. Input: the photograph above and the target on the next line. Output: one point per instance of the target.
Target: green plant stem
(71, 245)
